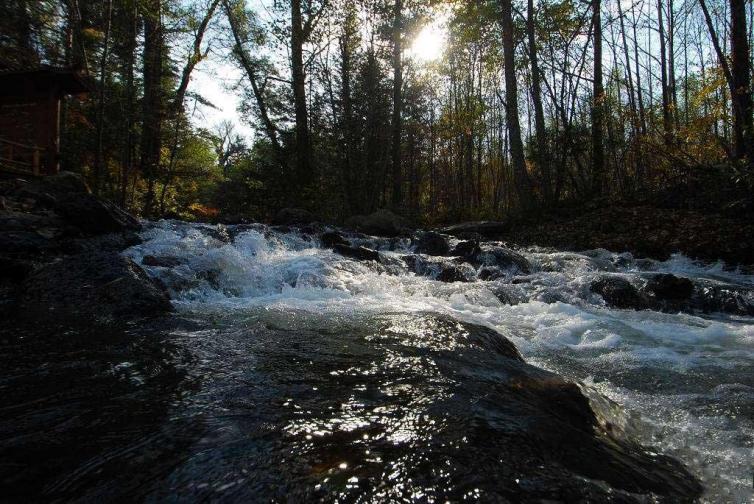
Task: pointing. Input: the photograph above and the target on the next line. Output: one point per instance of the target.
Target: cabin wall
(33, 119)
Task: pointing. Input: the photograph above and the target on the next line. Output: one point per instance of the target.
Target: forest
(441, 111)
(376, 251)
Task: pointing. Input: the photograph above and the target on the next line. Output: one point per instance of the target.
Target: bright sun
(429, 44)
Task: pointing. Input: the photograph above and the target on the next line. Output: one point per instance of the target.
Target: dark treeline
(529, 103)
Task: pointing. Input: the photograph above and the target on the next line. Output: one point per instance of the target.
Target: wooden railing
(20, 158)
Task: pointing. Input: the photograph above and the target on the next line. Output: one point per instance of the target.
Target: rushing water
(684, 381)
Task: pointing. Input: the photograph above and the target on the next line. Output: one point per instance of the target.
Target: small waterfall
(669, 362)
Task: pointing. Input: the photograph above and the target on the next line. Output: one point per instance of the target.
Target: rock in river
(92, 286)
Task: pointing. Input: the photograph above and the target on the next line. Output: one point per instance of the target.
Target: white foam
(260, 269)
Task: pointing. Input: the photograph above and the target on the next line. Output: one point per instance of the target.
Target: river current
(681, 383)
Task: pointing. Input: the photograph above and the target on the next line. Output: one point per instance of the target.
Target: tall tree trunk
(304, 163)
(251, 73)
(741, 85)
(667, 123)
(520, 176)
(151, 138)
(598, 104)
(397, 103)
(543, 159)
(352, 185)
(98, 169)
(128, 149)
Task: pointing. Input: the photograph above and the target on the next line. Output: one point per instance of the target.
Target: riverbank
(644, 230)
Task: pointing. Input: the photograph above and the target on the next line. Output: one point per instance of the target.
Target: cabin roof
(42, 78)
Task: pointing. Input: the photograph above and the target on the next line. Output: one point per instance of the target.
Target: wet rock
(714, 298)
(93, 286)
(292, 216)
(331, 238)
(619, 293)
(160, 261)
(455, 273)
(506, 295)
(467, 249)
(432, 243)
(379, 223)
(488, 274)
(219, 232)
(667, 287)
(503, 258)
(358, 253)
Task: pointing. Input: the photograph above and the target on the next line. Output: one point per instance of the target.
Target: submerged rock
(619, 293)
(92, 286)
(358, 253)
(160, 261)
(332, 238)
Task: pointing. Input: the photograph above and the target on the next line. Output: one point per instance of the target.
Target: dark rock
(487, 229)
(358, 253)
(160, 261)
(515, 432)
(97, 286)
(379, 223)
(293, 216)
(111, 242)
(667, 287)
(451, 273)
(14, 269)
(94, 216)
(503, 258)
(506, 295)
(714, 298)
(218, 232)
(331, 238)
(432, 243)
(467, 249)
(26, 242)
(490, 273)
(619, 293)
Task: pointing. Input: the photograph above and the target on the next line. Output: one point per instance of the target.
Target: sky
(215, 77)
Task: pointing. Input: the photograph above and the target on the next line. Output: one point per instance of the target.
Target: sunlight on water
(686, 379)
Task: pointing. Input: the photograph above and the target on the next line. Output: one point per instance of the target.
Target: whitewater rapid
(685, 381)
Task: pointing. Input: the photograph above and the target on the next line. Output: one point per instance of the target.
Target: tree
(153, 109)
(397, 102)
(520, 176)
(598, 103)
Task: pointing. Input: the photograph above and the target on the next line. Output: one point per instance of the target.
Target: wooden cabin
(30, 117)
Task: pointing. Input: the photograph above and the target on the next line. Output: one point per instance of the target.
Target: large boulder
(97, 286)
(619, 293)
(63, 202)
(668, 287)
(503, 258)
(432, 243)
(93, 215)
(379, 223)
